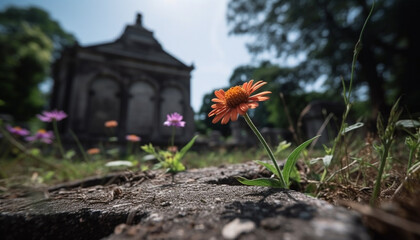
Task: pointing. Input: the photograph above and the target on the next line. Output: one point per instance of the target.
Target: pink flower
(132, 138)
(17, 130)
(42, 135)
(174, 119)
(49, 116)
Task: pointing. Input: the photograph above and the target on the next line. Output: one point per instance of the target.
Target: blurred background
(303, 49)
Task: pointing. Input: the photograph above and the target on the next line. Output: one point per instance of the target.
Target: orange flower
(93, 151)
(236, 100)
(132, 138)
(111, 124)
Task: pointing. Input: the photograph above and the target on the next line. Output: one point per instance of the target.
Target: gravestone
(132, 80)
(316, 114)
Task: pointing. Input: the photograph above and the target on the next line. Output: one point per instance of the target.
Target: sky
(193, 31)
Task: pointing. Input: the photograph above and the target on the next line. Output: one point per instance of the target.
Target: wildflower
(236, 100)
(17, 130)
(42, 135)
(174, 119)
(53, 115)
(111, 124)
(132, 138)
(93, 151)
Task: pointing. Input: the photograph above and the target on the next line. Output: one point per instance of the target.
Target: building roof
(138, 43)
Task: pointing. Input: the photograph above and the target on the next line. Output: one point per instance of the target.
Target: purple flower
(17, 130)
(49, 116)
(42, 135)
(174, 119)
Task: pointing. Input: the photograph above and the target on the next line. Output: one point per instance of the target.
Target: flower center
(235, 96)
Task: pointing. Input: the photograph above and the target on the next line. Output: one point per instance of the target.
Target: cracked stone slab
(200, 204)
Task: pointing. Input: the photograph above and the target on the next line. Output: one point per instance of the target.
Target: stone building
(131, 80)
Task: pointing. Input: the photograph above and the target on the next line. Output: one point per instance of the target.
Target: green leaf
(408, 123)
(295, 175)
(282, 146)
(70, 154)
(263, 182)
(177, 167)
(315, 160)
(291, 160)
(269, 167)
(35, 151)
(352, 127)
(157, 166)
(185, 149)
(148, 148)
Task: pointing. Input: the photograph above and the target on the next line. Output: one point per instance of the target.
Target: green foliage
(321, 35)
(262, 182)
(291, 160)
(347, 95)
(286, 173)
(283, 145)
(352, 127)
(413, 140)
(171, 161)
(25, 57)
(386, 136)
(12, 18)
(27, 42)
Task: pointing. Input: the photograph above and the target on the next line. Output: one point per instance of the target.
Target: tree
(11, 20)
(325, 33)
(29, 39)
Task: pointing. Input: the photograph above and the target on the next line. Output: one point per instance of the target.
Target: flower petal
(220, 94)
(256, 86)
(243, 107)
(234, 114)
(217, 118)
(217, 100)
(253, 105)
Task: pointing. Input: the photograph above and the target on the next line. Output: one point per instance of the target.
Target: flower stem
(377, 188)
(79, 145)
(267, 148)
(173, 135)
(60, 146)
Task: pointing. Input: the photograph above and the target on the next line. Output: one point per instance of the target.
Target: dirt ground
(197, 204)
